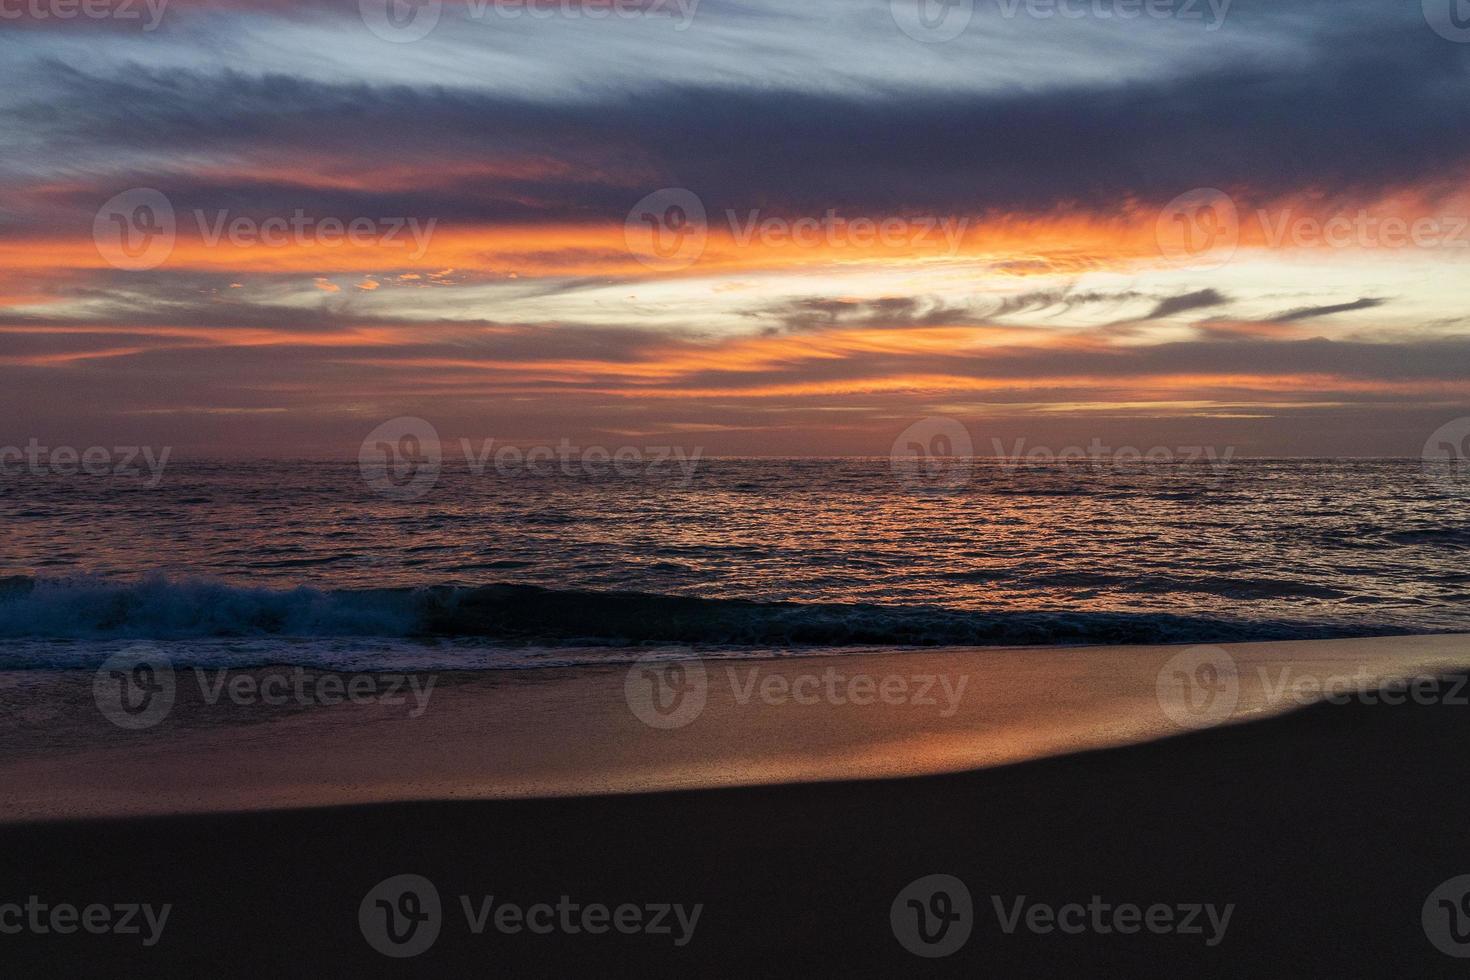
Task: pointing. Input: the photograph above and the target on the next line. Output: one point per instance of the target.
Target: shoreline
(592, 731)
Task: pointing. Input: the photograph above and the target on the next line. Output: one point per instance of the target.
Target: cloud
(1059, 300)
(894, 312)
(1319, 120)
(1198, 300)
(529, 141)
(1308, 312)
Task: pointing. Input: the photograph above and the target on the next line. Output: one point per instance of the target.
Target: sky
(259, 227)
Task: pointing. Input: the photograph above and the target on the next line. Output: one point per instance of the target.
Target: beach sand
(557, 732)
(1325, 829)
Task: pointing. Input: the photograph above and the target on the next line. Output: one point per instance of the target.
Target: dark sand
(1327, 828)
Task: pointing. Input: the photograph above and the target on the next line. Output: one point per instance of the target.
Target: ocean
(319, 564)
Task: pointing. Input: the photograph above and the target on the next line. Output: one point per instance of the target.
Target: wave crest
(167, 609)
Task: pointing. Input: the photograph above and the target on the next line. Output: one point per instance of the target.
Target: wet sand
(538, 733)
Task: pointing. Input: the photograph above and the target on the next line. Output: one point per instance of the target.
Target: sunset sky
(989, 226)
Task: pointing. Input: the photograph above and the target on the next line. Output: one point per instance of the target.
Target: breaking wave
(524, 615)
